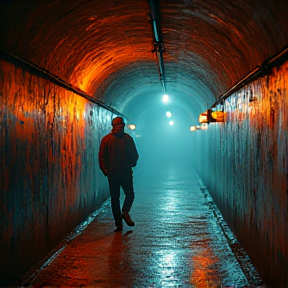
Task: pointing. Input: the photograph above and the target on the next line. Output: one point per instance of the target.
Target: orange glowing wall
(244, 163)
(50, 179)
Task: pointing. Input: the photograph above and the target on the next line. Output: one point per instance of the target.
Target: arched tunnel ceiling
(104, 47)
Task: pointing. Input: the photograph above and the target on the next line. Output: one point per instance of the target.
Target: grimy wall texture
(50, 179)
(49, 139)
(244, 164)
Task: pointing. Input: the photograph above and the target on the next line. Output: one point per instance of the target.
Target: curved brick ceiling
(104, 47)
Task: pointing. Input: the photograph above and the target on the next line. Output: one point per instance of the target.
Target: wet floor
(177, 242)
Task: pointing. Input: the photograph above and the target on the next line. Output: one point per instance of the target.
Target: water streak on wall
(244, 163)
(50, 180)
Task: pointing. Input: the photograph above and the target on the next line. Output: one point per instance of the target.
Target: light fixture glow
(220, 116)
(132, 126)
(203, 118)
(165, 98)
(171, 123)
(168, 114)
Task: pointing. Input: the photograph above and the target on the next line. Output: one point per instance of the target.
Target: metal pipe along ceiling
(158, 40)
(260, 70)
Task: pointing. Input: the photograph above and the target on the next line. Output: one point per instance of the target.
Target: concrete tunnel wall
(44, 131)
(244, 164)
(49, 166)
(50, 181)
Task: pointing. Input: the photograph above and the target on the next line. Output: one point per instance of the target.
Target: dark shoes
(127, 219)
(119, 226)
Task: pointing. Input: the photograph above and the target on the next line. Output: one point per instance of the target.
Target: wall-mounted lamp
(218, 116)
(132, 126)
(212, 116)
(205, 117)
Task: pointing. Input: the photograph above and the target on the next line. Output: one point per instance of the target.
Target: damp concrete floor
(178, 241)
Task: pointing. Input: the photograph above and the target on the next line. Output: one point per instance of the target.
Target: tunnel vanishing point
(68, 67)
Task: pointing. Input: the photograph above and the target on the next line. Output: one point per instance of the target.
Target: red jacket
(117, 153)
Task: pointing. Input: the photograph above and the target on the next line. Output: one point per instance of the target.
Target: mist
(160, 144)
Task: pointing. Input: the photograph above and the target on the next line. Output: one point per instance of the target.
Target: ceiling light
(165, 98)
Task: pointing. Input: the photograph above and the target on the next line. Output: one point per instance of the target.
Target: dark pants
(126, 182)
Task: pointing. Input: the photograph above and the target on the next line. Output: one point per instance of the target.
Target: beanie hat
(118, 121)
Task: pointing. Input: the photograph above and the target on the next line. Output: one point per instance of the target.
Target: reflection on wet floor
(176, 242)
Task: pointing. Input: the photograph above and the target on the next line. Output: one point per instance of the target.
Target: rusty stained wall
(244, 164)
(50, 180)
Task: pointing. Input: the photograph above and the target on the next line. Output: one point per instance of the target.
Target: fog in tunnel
(158, 142)
(68, 67)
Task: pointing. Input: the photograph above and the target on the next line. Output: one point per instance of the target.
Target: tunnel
(68, 68)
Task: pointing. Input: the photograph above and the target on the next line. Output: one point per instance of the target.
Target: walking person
(117, 156)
